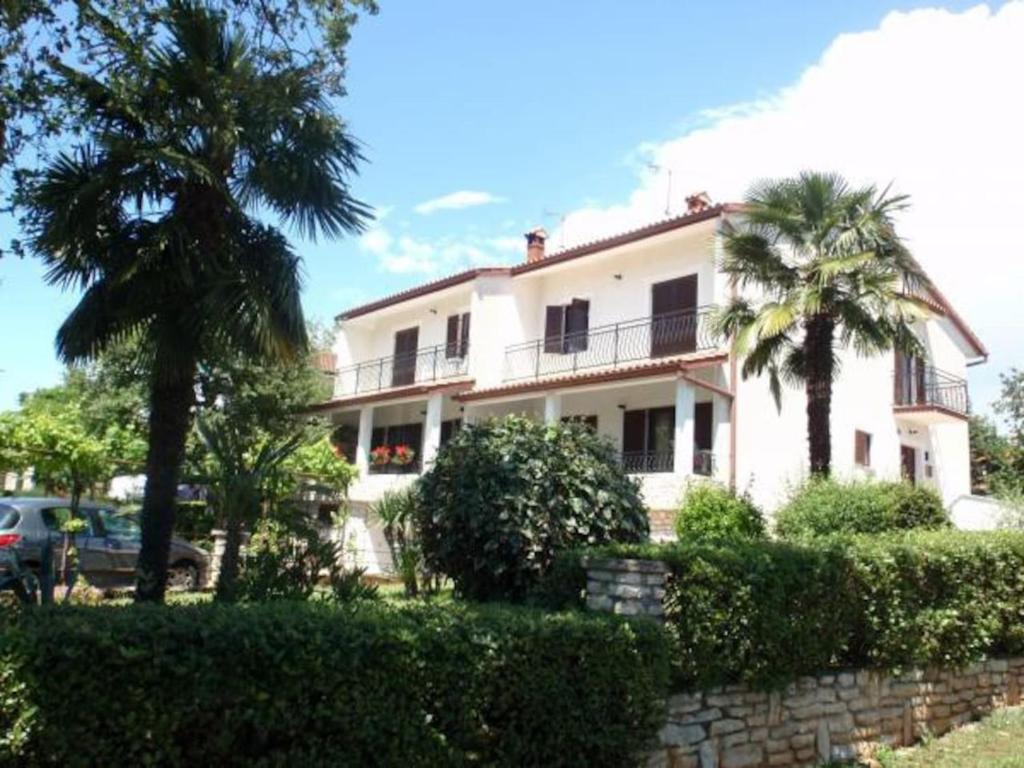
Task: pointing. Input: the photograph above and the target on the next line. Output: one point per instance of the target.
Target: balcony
(610, 346)
(927, 394)
(425, 365)
(648, 462)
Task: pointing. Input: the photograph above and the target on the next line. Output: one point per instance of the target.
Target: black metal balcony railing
(611, 345)
(929, 386)
(423, 365)
(648, 462)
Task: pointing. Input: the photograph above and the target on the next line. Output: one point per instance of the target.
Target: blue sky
(555, 109)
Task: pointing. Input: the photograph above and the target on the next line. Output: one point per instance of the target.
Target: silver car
(108, 547)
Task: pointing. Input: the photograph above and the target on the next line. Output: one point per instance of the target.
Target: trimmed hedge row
(766, 613)
(302, 684)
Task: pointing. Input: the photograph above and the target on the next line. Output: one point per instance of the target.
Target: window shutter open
(451, 345)
(554, 329)
(577, 325)
(464, 335)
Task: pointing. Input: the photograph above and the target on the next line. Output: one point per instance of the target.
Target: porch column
(552, 408)
(683, 458)
(432, 429)
(363, 446)
(722, 437)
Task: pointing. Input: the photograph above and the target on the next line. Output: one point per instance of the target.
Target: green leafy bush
(300, 684)
(505, 496)
(288, 559)
(824, 507)
(712, 512)
(766, 612)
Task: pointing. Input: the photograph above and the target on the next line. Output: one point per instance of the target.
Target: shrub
(823, 507)
(766, 613)
(505, 496)
(287, 559)
(713, 512)
(301, 684)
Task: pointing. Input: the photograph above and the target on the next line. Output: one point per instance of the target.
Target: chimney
(698, 202)
(535, 245)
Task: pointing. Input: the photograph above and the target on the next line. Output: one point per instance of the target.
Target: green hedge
(302, 684)
(826, 507)
(766, 613)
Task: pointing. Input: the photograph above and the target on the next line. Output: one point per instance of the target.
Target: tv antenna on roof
(668, 193)
(547, 213)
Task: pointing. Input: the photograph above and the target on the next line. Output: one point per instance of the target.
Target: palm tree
(155, 219)
(818, 267)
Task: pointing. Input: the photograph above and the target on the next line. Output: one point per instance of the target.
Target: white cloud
(929, 100)
(464, 198)
(435, 256)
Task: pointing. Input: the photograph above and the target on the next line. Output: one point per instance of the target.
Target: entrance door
(908, 463)
(674, 316)
(403, 370)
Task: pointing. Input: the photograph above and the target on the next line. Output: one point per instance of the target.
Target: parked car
(107, 549)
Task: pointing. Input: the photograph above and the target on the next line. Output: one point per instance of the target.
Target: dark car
(107, 548)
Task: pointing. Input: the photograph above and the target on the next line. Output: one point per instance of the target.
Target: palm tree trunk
(820, 368)
(172, 395)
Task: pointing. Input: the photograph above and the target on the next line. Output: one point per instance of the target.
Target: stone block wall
(626, 587)
(839, 716)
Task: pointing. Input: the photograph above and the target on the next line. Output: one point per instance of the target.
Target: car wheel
(183, 577)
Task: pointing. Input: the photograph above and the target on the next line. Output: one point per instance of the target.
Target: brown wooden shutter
(673, 316)
(404, 366)
(862, 448)
(464, 335)
(451, 340)
(554, 329)
(703, 418)
(577, 325)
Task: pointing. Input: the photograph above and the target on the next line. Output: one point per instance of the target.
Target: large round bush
(712, 512)
(823, 507)
(504, 496)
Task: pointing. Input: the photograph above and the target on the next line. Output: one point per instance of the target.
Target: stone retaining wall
(837, 716)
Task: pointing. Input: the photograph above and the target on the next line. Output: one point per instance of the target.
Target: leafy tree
(505, 496)
(154, 218)
(826, 268)
(1010, 404)
(65, 436)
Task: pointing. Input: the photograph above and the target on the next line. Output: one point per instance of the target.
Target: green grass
(996, 742)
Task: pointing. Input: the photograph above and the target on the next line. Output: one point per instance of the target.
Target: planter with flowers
(380, 456)
(403, 456)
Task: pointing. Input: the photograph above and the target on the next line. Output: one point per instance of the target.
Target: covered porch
(666, 429)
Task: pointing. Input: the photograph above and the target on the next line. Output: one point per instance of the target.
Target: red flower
(403, 455)
(380, 455)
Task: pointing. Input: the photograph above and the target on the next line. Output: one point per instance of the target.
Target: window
(457, 336)
(648, 440)
(121, 525)
(55, 517)
(9, 517)
(566, 327)
(862, 448)
(410, 435)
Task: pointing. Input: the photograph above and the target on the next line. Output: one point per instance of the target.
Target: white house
(616, 332)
